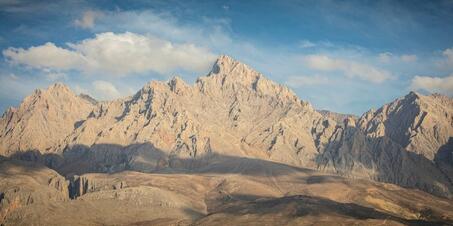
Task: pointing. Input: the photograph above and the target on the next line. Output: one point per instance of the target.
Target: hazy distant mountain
(232, 115)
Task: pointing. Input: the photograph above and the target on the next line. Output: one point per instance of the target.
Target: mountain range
(233, 121)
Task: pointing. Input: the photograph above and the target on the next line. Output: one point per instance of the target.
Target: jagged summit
(228, 77)
(177, 84)
(226, 64)
(54, 90)
(413, 93)
(58, 86)
(233, 70)
(51, 93)
(428, 100)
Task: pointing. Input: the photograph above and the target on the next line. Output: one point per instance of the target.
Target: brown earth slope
(254, 192)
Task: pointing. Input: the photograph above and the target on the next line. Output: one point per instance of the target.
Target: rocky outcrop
(81, 185)
(23, 184)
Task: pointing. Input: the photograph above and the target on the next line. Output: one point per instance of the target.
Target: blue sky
(344, 56)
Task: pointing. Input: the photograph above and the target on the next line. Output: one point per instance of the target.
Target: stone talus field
(233, 148)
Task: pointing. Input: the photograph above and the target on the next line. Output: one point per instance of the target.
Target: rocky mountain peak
(177, 85)
(52, 111)
(223, 64)
(150, 87)
(419, 123)
(412, 97)
(233, 71)
(58, 87)
(231, 76)
(428, 101)
(413, 94)
(54, 91)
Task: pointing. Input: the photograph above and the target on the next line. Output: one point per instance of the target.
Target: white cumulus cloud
(45, 56)
(117, 54)
(433, 84)
(351, 69)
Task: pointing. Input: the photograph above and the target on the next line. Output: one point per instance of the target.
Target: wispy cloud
(88, 19)
(307, 44)
(388, 57)
(56, 76)
(349, 68)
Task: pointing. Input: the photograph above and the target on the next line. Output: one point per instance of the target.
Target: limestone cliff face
(234, 111)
